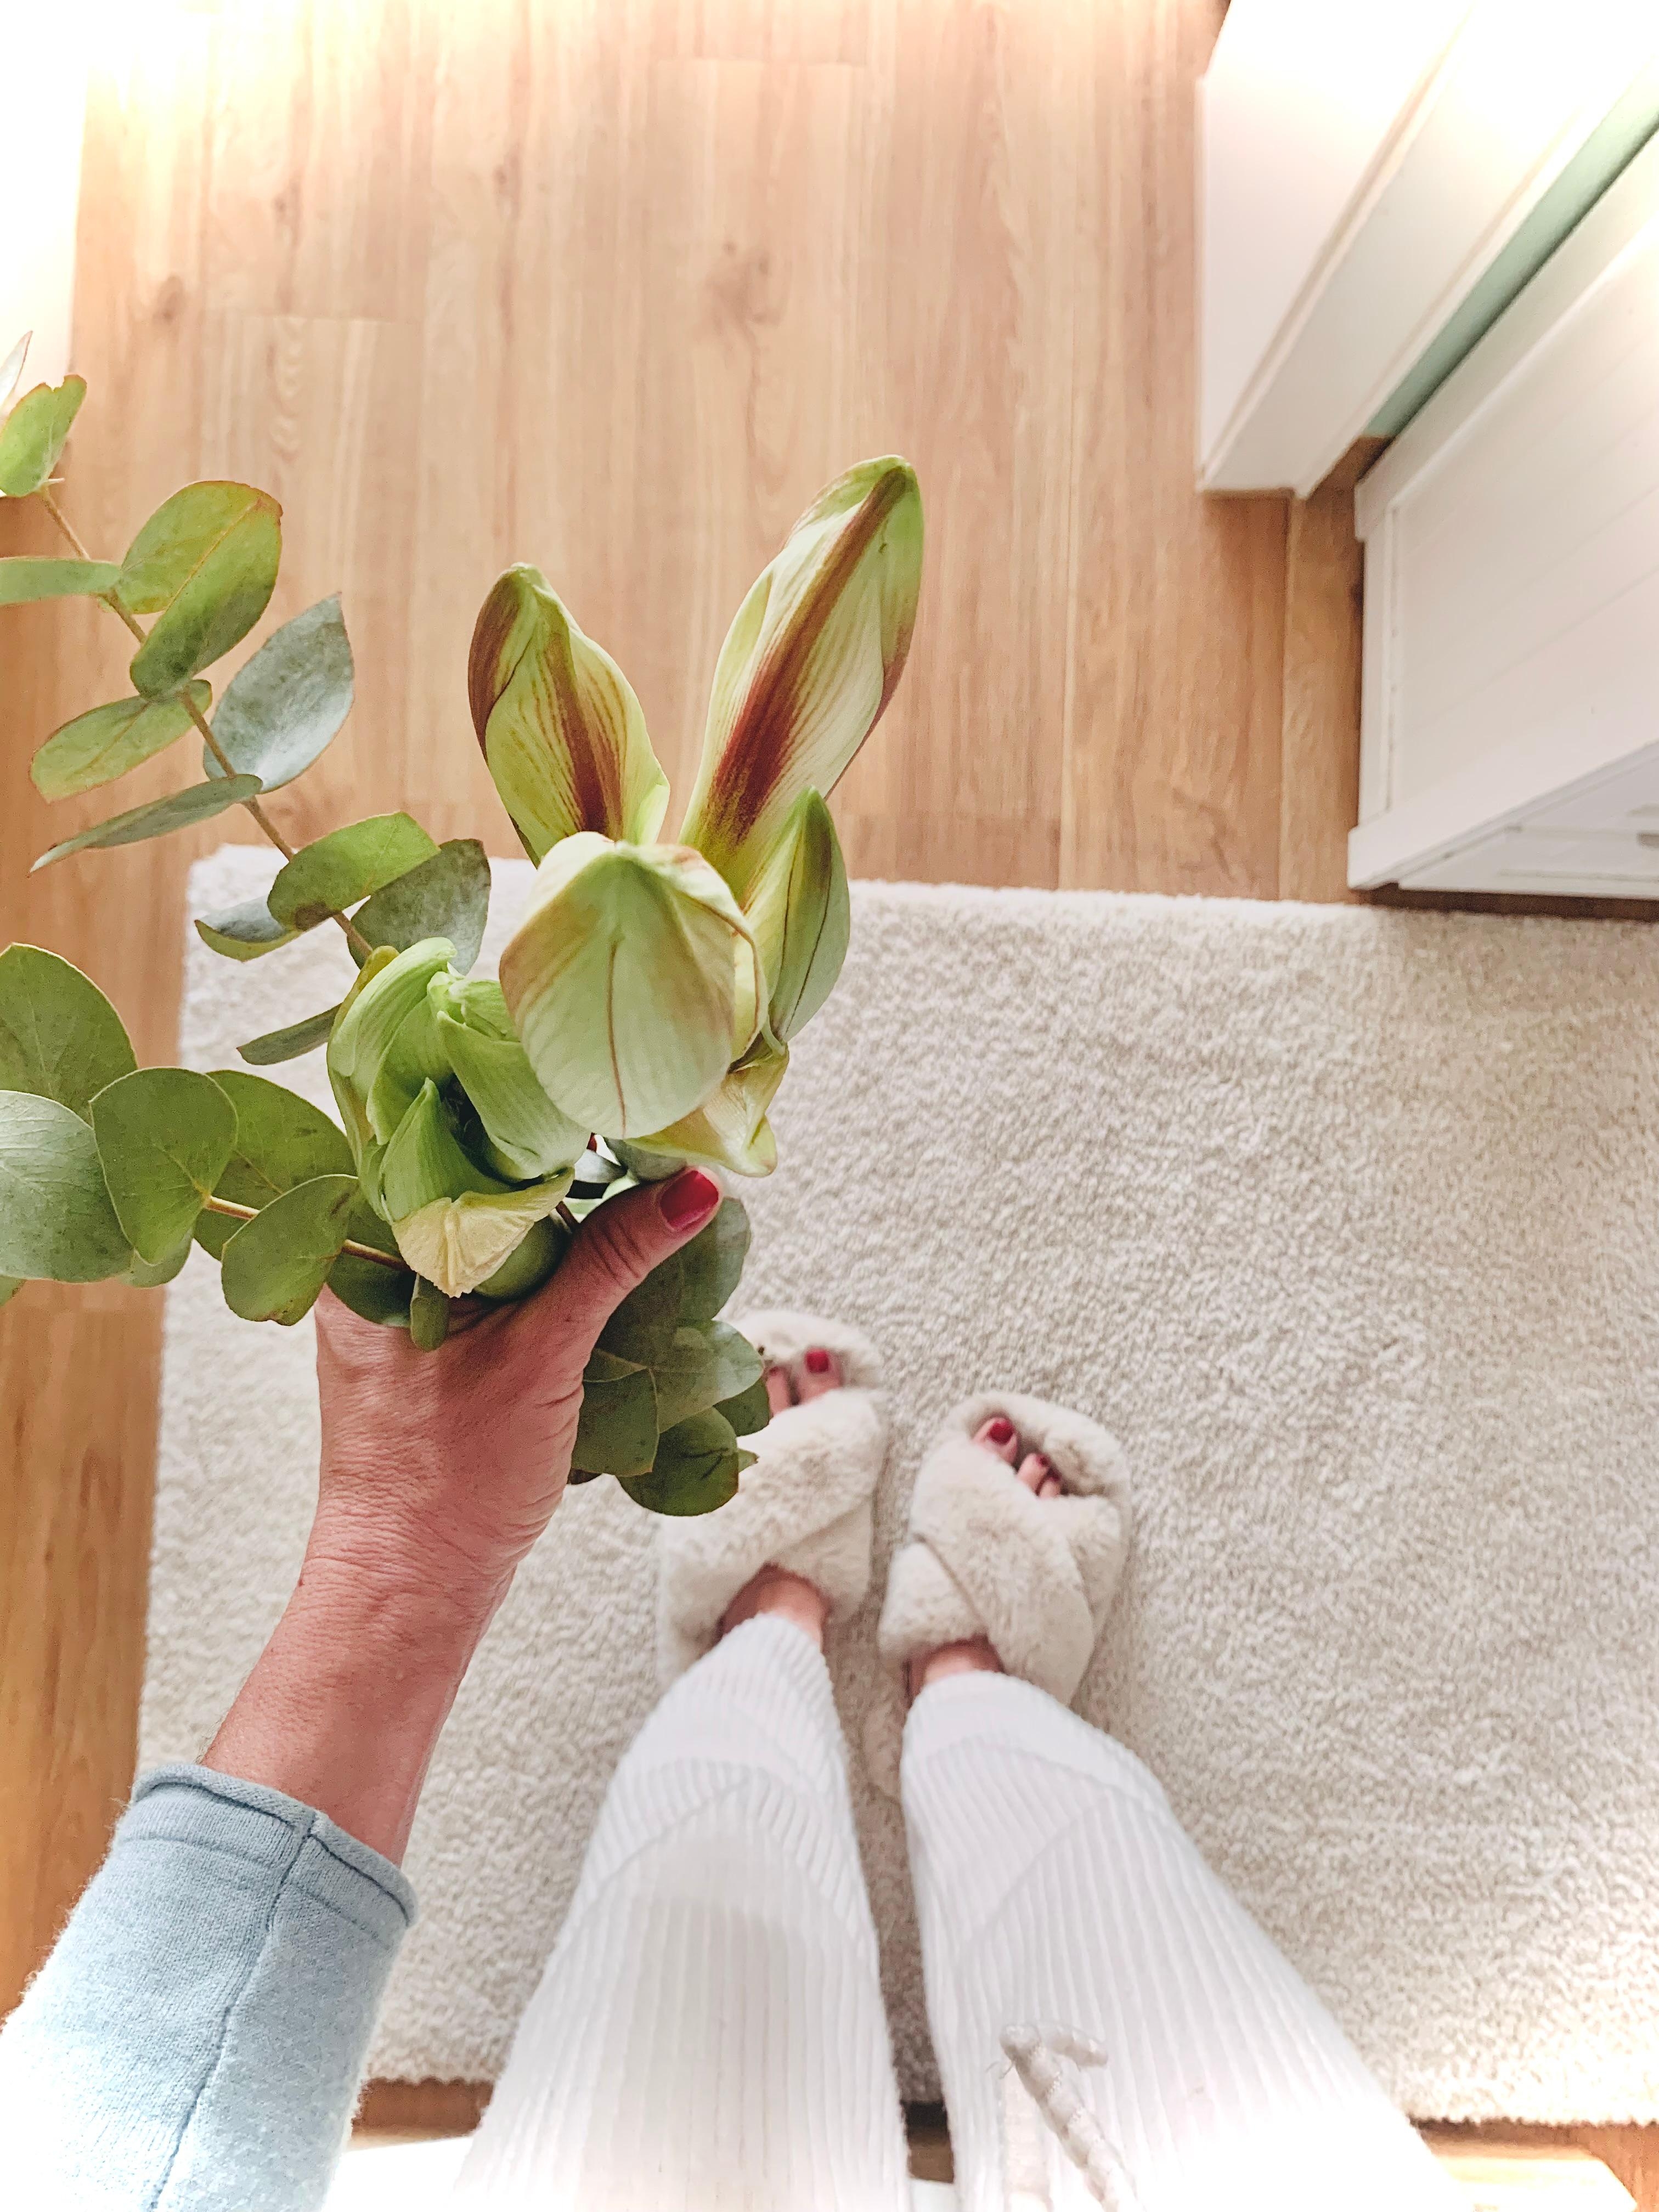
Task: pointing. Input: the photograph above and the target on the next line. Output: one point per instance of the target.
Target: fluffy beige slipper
(985, 1557)
(805, 1505)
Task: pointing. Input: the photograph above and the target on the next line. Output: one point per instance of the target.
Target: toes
(1036, 1472)
(819, 1370)
(1038, 1476)
(999, 1435)
(780, 1395)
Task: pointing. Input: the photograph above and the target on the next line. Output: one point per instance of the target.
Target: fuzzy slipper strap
(805, 1504)
(986, 1558)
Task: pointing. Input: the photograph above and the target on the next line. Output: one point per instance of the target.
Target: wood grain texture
(614, 286)
(1319, 752)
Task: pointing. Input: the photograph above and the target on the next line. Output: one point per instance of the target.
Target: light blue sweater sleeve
(196, 2041)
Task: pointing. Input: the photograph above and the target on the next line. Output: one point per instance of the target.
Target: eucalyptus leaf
(205, 565)
(617, 1430)
(705, 1362)
(179, 810)
(59, 1036)
(151, 1275)
(278, 1045)
(334, 873)
(164, 1137)
(642, 1327)
(447, 896)
(98, 746)
(275, 1266)
(695, 1469)
(56, 1218)
(285, 704)
(605, 1367)
(243, 931)
(429, 1316)
(712, 1263)
(378, 1294)
(10, 1286)
(281, 1140)
(26, 576)
(34, 434)
(748, 1412)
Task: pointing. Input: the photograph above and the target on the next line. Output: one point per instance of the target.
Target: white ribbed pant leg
(1055, 1887)
(708, 2035)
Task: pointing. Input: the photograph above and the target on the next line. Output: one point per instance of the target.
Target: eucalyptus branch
(233, 1212)
(354, 935)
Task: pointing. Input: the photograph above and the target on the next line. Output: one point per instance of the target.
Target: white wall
(45, 62)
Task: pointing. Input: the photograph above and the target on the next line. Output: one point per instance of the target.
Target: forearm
(344, 1706)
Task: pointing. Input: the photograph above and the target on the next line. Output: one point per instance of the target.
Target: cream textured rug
(1345, 1221)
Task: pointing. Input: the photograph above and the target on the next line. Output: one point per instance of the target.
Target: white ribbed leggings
(708, 2035)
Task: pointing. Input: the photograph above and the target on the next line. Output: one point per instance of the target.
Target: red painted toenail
(1001, 1430)
(817, 1362)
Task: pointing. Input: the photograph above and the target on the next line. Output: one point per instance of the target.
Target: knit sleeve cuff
(290, 1842)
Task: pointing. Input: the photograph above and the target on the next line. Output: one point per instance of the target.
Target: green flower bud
(558, 722)
(809, 664)
(458, 1149)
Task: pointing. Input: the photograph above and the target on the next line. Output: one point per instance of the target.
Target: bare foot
(998, 1437)
(774, 1590)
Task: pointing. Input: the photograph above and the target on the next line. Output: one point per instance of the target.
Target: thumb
(616, 1248)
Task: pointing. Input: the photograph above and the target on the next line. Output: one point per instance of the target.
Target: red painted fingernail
(1001, 1430)
(688, 1199)
(817, 1361)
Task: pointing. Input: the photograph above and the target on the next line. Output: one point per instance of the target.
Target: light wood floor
(612, 285)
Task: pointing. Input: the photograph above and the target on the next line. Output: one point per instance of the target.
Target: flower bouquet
(645, 1003)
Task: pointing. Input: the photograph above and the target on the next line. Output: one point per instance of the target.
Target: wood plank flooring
(613, 286)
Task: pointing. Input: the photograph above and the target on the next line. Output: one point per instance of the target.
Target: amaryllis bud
(561, 728)
(809, 664)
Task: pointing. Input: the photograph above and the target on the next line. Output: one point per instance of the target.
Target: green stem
(233, 1212)
(354, 935)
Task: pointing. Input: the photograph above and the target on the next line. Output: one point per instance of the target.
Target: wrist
(345, 1703)
(406, 1582)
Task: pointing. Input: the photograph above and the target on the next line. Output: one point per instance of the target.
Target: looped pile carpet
(1344, 1221)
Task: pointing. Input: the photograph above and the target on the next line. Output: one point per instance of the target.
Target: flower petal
(621, 980)
(458, 1243)
(809, 665)
(560, 729)
(730, 1130)
(798, 909)
(527, 1135)
(381, 1048)
(423, 1161)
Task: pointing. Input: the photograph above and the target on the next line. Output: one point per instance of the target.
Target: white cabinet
(1376, 180)
(1510, 724)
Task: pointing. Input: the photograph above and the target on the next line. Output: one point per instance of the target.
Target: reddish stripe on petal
(486, 679)
(595, 770)
(761, 740)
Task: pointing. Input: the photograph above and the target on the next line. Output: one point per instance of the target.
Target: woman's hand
(445, 1467)
(439, 1471)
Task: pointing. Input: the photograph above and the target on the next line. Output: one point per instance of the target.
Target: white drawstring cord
(1036, 2053)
